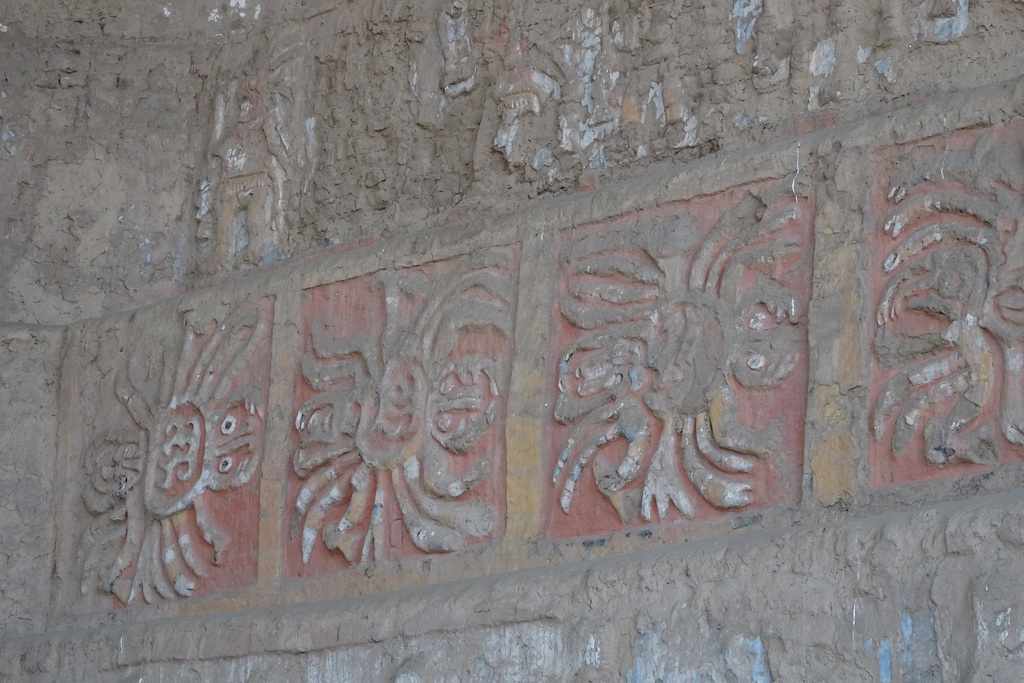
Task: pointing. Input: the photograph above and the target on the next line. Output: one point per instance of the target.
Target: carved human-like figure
(260, 158)
(403, 419)
(955, 295)
(201, 433)
(664, 337)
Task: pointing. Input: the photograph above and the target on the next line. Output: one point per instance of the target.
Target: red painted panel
(680, 373)
(399, 414)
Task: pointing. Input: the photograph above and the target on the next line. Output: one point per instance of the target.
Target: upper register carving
(950, 318)
(260, 158)
(405, 417)
(669, 325)
(200, 432)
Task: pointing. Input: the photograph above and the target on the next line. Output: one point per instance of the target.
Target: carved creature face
(201, 449)
(763, 342)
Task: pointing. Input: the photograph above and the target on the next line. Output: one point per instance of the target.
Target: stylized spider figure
(663, 338)
(400, 418)
(203, 433)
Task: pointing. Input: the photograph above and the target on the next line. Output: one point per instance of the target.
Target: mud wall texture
(512, 341)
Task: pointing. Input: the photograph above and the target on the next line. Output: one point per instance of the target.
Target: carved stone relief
(611, 91)
(682, 361)
(170, 478)
(949, 323)
(400, 402)
(260, 158)
(444, 58)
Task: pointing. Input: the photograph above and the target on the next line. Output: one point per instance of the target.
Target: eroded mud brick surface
(164, 500)
(948, 329)
(679, 381)
(399, 410)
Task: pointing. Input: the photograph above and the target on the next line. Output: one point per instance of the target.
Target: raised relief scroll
(170, 479)
(681, 368)
(949, 320)
(400, 403)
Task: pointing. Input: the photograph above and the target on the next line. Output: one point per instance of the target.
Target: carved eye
(228, 425)
(225, 465)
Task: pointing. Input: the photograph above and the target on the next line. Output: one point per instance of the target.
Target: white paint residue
(654, 96)
(823, 59)
(256, 14)
(547, 85)
(895, 225)
(931, 372)
(412, 469)
(593, 654)
(796, 175)
(863, 53)
(205, 199)
(214, 15)
(689, 131)
(745, 12)
(3, 28)
(239, 4)
(235, 158)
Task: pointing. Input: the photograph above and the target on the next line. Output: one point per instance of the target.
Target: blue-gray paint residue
(884, 661)
(646, 645)
(745, 12)
(759, 669)
(920, 656)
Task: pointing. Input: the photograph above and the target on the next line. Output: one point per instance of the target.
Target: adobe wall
(512, 341)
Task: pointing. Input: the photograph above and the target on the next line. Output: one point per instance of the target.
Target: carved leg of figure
(952, 439)
(174, 568)
(471, 518)
(909, 420)
(338, 537)
(901, 386)
(188, 552)
(331, 497)
(120, 584)
(663, 484)
(93, 569)
(375, 536)
(723, 460)
(212, 534)
(1013, 393)
(314, 485)
(259, 223)
(581, 446)
(437, 525)
(437, 472)
(224, 236)
(150, 574)
(716, 488)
